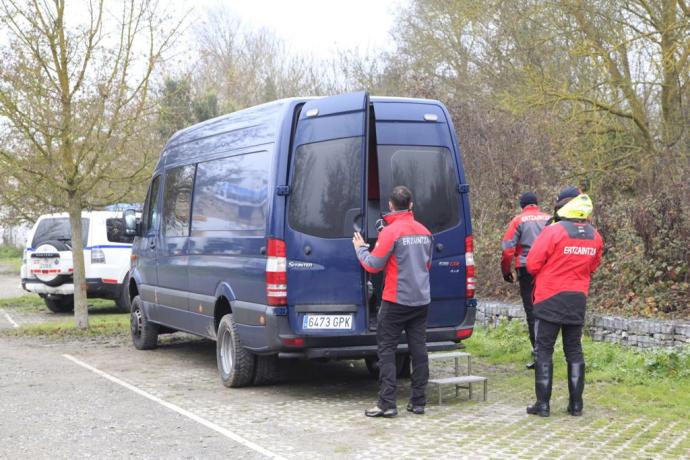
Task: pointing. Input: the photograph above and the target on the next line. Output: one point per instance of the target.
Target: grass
(629, 380)
(104, 319)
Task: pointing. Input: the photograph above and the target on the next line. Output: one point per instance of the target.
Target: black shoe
(418, 410)
(376, 411)
(576, 385)
(539, 408)
(530, 365)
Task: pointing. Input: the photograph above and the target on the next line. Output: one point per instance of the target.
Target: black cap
(528, 198)
(568, 192)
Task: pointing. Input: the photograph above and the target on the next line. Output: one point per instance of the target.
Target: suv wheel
(235, 363)
(144, 332)
(53, 248)
(60, 304)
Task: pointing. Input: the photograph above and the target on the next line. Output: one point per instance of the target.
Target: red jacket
(520, 235)
(403, 251)
(563, 258)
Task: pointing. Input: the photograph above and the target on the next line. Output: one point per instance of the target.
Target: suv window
(177, 200)
(151, 210)
(326, 187)
(115, 231)
(57, 228)
(429, 172)
(230, 194)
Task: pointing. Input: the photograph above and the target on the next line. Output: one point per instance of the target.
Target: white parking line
(179, 410)
(9, 318)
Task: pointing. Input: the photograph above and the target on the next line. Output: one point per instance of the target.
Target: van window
(58, 229)
(177, 200)
(151, 210)
(115, 231)
(326, 187)
(230, 194)
(429, 172)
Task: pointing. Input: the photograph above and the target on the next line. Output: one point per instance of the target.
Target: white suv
(47, 262)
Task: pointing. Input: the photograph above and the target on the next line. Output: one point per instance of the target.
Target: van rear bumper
(276, 337)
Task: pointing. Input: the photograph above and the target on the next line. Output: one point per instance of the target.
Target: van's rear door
(325, 284)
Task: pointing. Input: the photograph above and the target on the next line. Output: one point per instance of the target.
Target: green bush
(7, 252)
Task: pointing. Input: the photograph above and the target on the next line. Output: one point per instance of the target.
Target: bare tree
(74, 102)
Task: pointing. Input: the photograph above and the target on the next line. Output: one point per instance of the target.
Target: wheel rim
(226, 351)
(135, 322)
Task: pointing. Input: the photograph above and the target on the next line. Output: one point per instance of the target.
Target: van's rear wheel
(60, 304)
(144, 332)
(402, 364)
(235, 363)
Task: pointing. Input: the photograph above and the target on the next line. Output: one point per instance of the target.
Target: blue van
(246, 231)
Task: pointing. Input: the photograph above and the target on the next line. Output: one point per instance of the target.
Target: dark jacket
(403, 251)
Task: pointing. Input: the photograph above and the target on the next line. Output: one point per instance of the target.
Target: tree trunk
(81, 313)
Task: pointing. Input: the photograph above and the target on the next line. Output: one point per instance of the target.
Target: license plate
(44, 264)
(327, 322)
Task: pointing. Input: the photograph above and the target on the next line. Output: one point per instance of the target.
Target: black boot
(576, 385)
(543, 377)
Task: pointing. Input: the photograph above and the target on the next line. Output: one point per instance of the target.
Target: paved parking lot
(101, 398)
(53, 407)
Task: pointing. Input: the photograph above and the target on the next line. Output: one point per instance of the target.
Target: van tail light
(471, 281)
(276, 273)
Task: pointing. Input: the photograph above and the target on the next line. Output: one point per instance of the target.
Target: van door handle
(262, 250)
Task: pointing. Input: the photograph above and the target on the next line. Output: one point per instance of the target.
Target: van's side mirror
(132, 223)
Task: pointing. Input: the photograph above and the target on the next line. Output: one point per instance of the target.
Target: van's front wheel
(144, 332)
(235, 363)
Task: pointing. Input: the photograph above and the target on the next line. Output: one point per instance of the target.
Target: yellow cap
(579, 207)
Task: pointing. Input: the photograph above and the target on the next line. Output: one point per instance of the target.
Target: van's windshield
(429, 172)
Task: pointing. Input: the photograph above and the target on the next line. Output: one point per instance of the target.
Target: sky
(316, 27)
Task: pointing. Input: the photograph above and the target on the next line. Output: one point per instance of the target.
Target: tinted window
(151, 212)
(58, 229)
(115, 231)
(230, 194)
(177, 200)
(429, 172)
(326, 187)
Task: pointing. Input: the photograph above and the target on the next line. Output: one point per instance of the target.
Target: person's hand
(358, 241)
(508, 277)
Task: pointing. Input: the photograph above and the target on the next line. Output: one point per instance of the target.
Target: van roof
(265, 113)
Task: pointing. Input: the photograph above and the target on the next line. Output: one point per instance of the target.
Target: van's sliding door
(326, 203)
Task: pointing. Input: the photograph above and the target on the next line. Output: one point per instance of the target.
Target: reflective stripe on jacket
(403, 251)
(520, 235)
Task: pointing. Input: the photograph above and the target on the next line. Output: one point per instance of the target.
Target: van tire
(235, 363)
(60, 304)
(267, 370)
(144, 332)
(402, 363)
(122, 300)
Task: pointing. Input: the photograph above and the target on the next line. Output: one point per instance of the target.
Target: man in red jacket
(562, 260)
(517, 241)
(403, 252)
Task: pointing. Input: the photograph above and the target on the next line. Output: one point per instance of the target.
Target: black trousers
(393, 318)
(546, 334)
(526, 289)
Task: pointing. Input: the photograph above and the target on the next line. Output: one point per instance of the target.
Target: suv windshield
(57, 228)
(429, 172)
